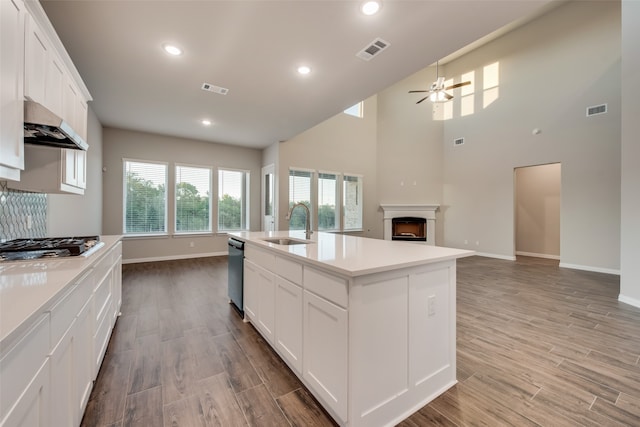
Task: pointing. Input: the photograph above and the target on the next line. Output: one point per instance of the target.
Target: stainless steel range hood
(43, 127)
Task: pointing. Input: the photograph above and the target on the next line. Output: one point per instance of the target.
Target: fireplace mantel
(428, 212)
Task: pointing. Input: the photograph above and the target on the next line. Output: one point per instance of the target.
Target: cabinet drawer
(327, 286)
(20, 364)
(290, 270)
(63, 313)
(260, 257)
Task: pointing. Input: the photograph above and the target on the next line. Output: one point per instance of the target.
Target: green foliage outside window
(145, 210)
(229, 213)
(192, 209)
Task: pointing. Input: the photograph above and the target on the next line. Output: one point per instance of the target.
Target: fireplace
(409, 228)
(426, 214)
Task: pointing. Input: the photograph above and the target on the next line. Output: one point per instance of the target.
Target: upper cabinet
(39, 69)
(12, 17)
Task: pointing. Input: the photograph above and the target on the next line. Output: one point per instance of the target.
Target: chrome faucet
(307, 231)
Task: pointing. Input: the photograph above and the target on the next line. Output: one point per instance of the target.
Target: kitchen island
(367, 325)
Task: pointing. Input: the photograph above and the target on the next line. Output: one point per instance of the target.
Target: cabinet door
(117, 286)
(267, 304)
(63, 380)
(69, 102)
(69, 167)
(36, 61)
(12, 16)
(32, 408)
(54, 85)
(81, 169)
(84, 356)
(289, 322)
(250, 290)
(324, 362)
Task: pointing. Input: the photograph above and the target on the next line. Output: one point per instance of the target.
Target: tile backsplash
(22, 214)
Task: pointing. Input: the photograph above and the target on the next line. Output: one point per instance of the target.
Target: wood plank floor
(537, 345)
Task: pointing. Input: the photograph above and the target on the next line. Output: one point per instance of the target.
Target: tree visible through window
(145, 197)
(233, 199)
(299, 192)
(328, 218)
(193, 201)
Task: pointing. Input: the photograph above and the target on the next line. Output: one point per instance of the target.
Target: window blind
(232, 199)
(145, 197)
(193, 199)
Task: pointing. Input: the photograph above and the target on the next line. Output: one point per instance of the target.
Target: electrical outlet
(466, 242)
(477, 242)
(29, 222)
(431, 305)
(192, 244)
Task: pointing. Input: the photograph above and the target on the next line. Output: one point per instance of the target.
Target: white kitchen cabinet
(12, 17)
(53, 170)
(54, 84)
(117, 284)
(64, 381)
(24, 369)
(250, 290)
(325, 349)
(84, 356)
(288, 326)
(37, 51)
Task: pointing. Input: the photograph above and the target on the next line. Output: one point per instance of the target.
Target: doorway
(268, 198)
(537, 210)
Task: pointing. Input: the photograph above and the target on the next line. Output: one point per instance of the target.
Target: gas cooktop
(48, 247)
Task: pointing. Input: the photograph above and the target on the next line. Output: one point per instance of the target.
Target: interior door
(268, 198)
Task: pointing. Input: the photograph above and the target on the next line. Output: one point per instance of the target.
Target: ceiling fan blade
(457, 85)
(447, 96)
(418, 91)
(422, 100)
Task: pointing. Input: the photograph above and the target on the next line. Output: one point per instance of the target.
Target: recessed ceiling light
(172, 49)
(206, 122)
(370, 7)
(303, 69)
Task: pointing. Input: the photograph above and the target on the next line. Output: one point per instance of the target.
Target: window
(328, 207)
(355, 110)
(145, 197)
(299, 192)
(193, 199)
(352, 202)
(233, 196)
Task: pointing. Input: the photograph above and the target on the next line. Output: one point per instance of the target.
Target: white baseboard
(173, 257)
(628, 300)
(590, 268)
(533, 254)
(506, 257)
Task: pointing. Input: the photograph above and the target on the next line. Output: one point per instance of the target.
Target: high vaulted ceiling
(253, 48)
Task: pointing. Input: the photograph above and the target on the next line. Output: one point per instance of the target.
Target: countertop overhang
(350, 255)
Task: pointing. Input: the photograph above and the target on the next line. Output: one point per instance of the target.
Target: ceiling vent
(373, 49)
(216, 89)
(458, 141)
(596, 109)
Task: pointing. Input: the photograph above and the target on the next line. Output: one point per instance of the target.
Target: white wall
(120, 144)
(630, 218)
(343, 144)
(409, 167)
(74, 215)
(550, 70)
(538, 210)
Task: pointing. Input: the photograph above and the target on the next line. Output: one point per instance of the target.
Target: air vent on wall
(458, 141)
(373, 49)
(213, 88)
(596, 109)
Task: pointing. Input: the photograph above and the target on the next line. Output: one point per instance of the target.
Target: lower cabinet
(63, 380)
(47, 375)
(259, 298)
(289, 322)
(325, 351)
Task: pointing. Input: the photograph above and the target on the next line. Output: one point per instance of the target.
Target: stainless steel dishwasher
(236, 267)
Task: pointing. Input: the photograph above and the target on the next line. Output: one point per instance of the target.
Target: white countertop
(28, 288)
(353, 256)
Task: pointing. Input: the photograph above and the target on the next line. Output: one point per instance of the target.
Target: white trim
(628, 300)
(293, 168)
(590, 268)
(505, 257)
(173, 257)
(533, 254)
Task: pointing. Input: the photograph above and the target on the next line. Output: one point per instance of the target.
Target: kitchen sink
(286, 241)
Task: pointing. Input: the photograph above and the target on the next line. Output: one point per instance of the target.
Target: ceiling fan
(436, 92)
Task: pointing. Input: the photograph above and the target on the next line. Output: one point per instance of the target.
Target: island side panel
(401, 342)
